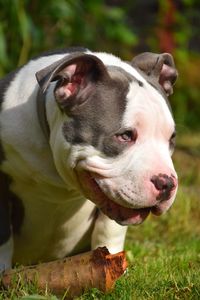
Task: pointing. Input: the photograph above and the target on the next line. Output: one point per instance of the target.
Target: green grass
(163, 252)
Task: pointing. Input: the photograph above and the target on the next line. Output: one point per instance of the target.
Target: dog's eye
(127, 136)
(172, 141)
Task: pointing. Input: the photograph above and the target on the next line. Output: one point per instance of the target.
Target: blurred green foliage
(29, 27)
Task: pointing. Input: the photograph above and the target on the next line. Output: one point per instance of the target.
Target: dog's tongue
(123, 215)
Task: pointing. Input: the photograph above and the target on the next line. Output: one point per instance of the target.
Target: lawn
(163, 252)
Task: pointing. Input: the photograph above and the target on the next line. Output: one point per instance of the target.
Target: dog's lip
(155, 210)
(122, 215)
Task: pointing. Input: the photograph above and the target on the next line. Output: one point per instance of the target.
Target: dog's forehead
(145, 100)
(146, 108)
(113, 61)
(122, 75)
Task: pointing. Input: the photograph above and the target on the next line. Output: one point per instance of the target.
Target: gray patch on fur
(99, 118)
(11, 210)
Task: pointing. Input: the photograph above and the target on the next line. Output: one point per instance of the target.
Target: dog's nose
(164, 184)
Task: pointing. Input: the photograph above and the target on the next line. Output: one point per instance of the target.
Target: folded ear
(160, 67)
(76, 75)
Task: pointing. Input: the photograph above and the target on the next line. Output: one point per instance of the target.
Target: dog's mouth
(122, 215)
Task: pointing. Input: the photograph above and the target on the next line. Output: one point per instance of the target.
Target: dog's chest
(52, 221)
(51, 230)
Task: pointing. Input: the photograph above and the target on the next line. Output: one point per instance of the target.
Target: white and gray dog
(86, 144)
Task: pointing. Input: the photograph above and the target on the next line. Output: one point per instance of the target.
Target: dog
(86, 145)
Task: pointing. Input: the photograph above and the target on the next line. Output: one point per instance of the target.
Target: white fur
(111, 60)
(108, 232)
(147, 110)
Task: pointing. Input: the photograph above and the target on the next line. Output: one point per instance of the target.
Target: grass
(163, 252)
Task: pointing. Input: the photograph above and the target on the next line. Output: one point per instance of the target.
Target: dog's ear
(76, 75)
(160, 67)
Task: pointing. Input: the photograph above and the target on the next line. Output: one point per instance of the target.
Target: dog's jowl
(86, 144)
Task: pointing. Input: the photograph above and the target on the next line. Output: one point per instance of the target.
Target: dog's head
(112, 132)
